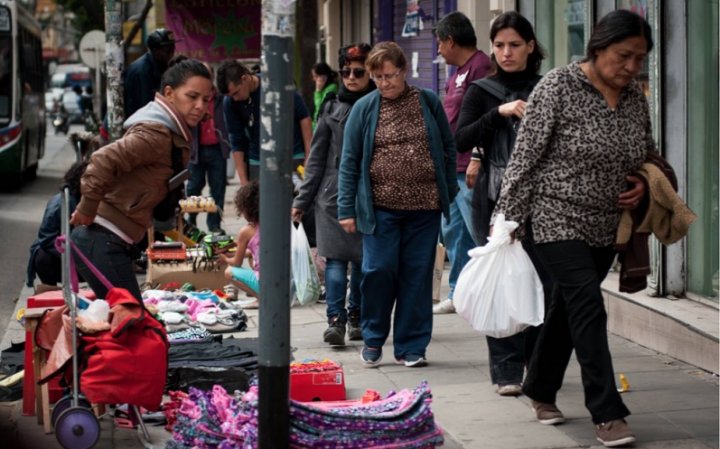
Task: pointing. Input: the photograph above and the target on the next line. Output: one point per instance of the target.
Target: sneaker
(218, 231)
(614, 433)
(444, 306)
(354, 329)
(334, 335)
(509, 390)
(371, 356)
(412, 361)
(547, 414)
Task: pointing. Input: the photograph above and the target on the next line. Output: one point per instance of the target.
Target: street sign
(92, 48)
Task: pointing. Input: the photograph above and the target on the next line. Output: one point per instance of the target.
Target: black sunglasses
(357, 73)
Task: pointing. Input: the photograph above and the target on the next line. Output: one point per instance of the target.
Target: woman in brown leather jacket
(128, 179)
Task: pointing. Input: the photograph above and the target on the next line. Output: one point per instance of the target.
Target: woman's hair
(72, 177)
(176, 59)
(353, 53)
(616, 27)
(247, 201)
(458, 26)
(176, 75)
(385, 51)
(322, 69)
(524, 28)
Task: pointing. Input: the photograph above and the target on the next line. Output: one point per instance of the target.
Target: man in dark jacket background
(142, 77)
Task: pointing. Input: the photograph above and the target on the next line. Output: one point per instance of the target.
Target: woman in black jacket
(489, 118)
(320, 186)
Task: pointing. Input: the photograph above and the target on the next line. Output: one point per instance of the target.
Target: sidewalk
(674, 405)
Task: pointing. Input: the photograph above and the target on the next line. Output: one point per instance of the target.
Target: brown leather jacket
(126, 179)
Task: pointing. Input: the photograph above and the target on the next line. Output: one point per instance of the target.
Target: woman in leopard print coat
(586, 130)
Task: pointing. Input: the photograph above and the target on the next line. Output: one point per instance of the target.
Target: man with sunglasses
(241, 105)
(457, 44)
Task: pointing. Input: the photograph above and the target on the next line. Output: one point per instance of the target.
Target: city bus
(22, 105)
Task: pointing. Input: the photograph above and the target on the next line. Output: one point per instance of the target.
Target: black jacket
(478, 125)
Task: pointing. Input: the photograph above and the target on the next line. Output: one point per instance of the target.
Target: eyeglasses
(357, 73)
(388, 78)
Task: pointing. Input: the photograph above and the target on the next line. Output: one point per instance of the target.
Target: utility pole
(276, 137)
(114, 65)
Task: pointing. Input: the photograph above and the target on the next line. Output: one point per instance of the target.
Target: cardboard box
(182, 272)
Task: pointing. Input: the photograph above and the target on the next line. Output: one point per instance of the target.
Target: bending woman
(127, 179)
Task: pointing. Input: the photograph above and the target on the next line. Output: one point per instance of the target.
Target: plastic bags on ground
(498, 291)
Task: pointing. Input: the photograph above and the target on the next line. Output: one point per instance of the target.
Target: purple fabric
(402, 420)
(475, 68)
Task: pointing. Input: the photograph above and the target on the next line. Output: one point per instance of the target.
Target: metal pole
(70, 297)
(278, 30)
(97, 93)
(114, 64)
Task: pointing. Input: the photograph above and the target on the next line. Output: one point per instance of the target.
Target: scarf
(346, 96)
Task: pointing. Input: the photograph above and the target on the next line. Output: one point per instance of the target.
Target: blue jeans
(457, 232)
(211, 165)
(397, 269)
(336, 288)
(111, 255)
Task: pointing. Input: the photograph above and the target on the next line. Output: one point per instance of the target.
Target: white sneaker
(444, 306)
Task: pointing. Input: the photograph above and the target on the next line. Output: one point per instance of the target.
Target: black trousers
(576, 319)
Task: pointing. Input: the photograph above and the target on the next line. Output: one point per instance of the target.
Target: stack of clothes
(213, 419)
(180, 310)
(227, 362)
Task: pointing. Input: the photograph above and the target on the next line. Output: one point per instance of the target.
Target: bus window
(5, 77)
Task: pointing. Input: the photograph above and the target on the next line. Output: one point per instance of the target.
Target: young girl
(247, 204)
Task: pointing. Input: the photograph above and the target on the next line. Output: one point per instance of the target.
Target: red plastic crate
(48, 299)
(318, 386)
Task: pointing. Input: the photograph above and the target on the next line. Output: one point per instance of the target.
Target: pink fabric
(254, 247)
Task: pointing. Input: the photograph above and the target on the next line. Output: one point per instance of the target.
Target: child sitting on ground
(247, 204)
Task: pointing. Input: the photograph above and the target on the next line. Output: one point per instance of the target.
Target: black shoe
(334, 335)
(354, 330)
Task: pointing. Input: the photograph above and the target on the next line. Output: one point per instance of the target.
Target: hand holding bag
(498, 291)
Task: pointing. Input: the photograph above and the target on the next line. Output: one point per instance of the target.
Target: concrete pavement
(674, 405)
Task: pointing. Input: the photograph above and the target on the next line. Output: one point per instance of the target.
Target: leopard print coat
(571, 158)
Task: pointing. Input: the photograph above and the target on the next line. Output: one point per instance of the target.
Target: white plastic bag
(304, 273)
(498, 291)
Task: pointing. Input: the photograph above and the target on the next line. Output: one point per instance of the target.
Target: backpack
(497, 157)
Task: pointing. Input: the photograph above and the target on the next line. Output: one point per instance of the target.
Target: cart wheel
(77, 428)
(65, 403)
